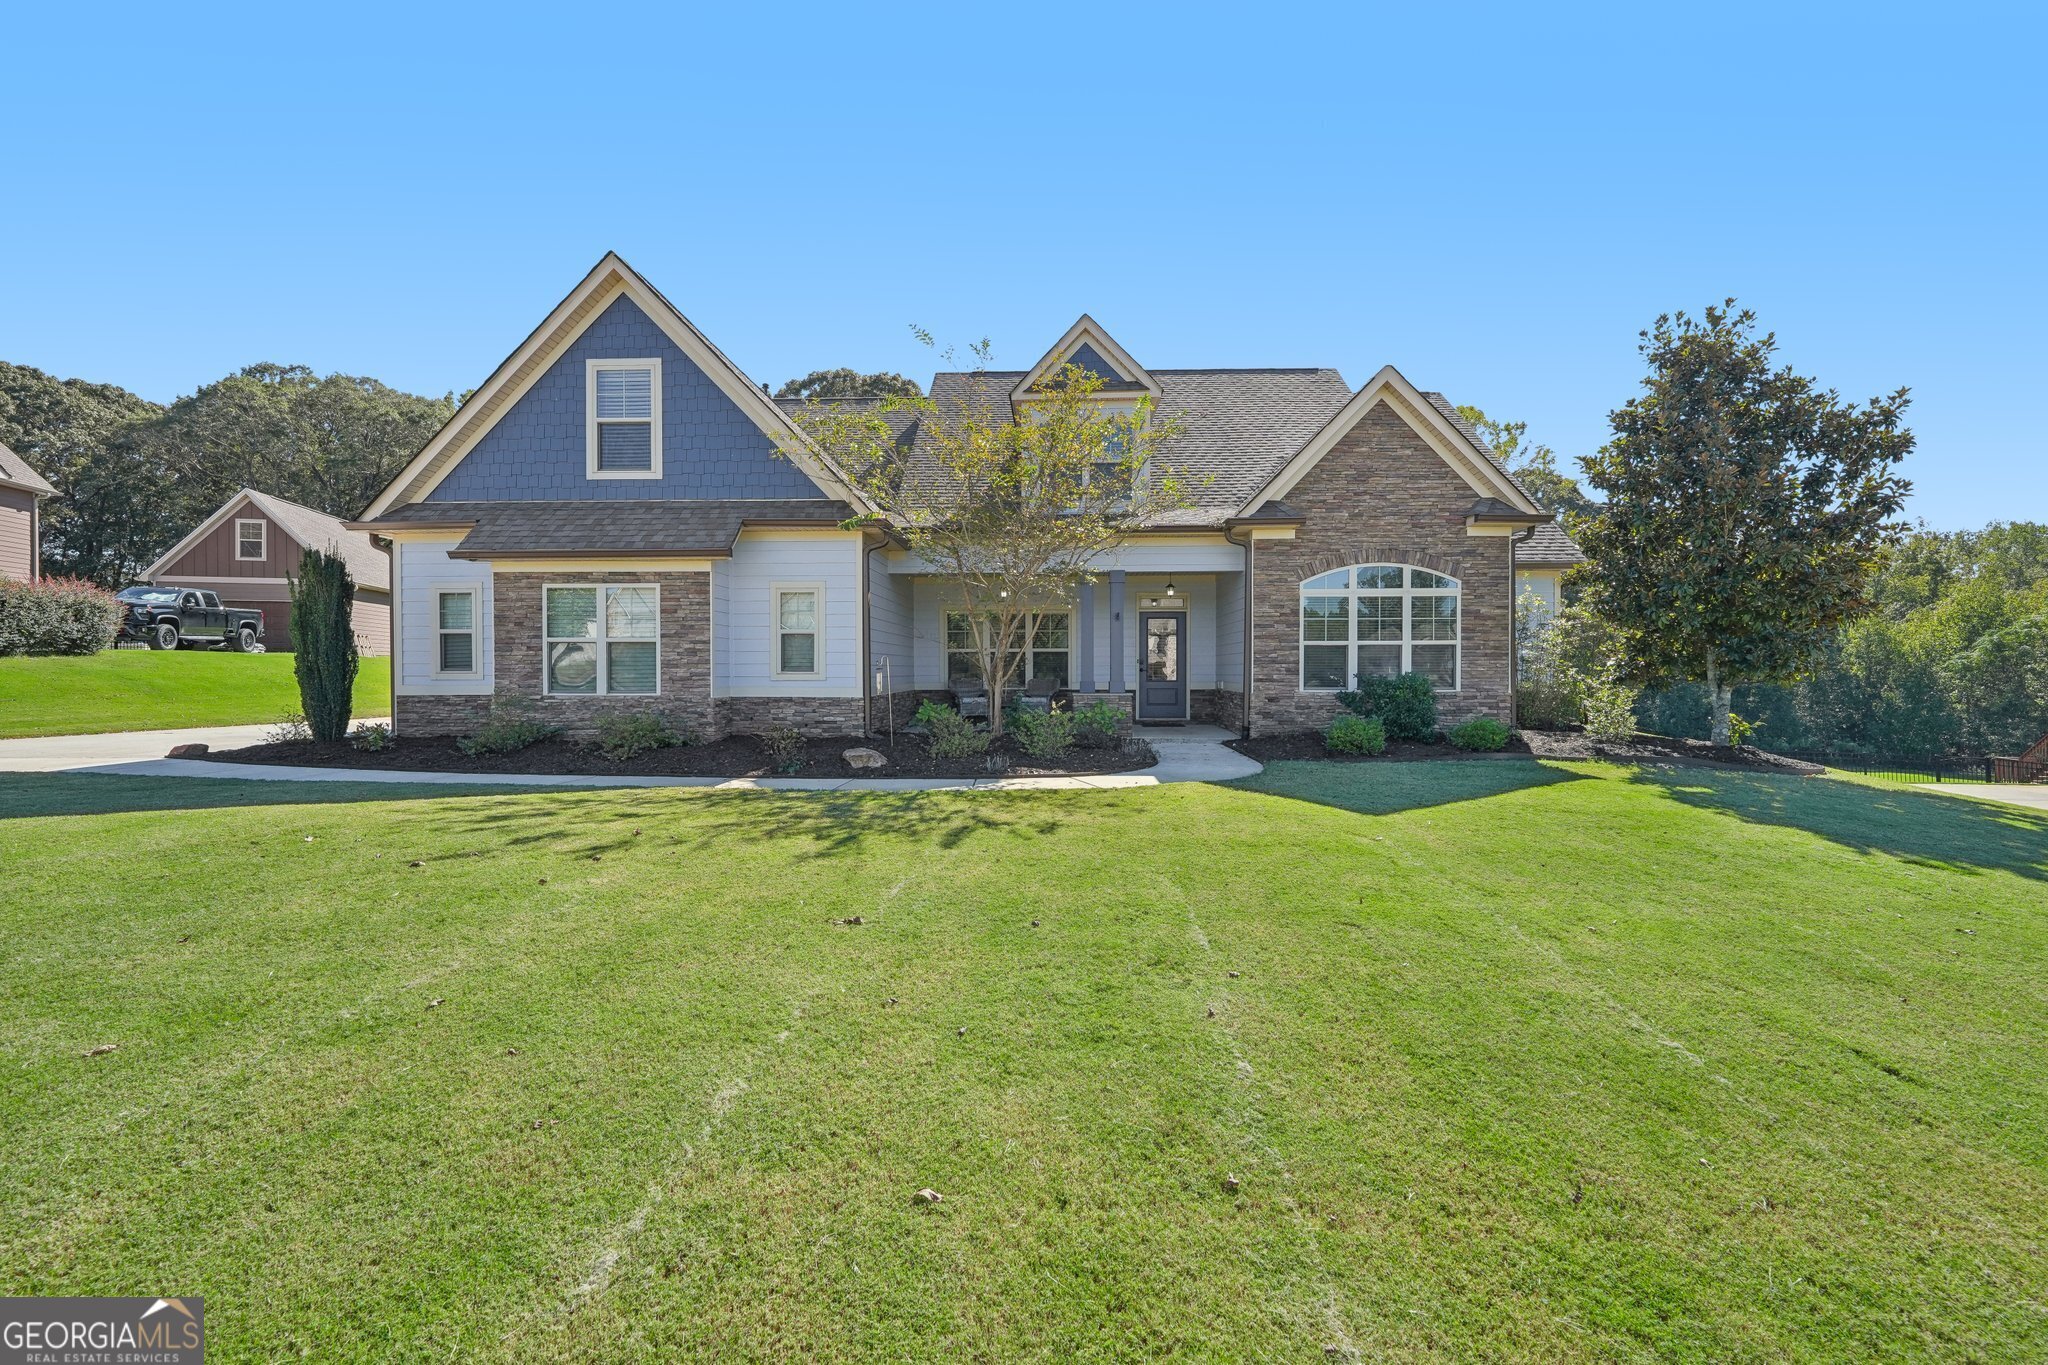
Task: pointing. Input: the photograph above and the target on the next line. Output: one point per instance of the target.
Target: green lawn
(141, 689)
(1510, 1061)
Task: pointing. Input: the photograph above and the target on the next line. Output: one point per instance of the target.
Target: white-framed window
(798, 629)
(455, 633)
(1044, 649)
(601, 639)
(1377, 620)
(622, 400)
(252, 537)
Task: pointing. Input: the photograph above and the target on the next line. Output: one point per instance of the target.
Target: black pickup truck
(168, 618)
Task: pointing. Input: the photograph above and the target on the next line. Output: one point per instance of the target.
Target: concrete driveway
(68, 753)
(2033, 795)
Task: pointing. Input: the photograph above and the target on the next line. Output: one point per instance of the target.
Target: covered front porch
(1164, 643)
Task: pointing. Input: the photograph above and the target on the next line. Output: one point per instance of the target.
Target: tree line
(134, 476)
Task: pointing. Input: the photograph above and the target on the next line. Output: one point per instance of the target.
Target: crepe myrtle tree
(1013, 504)
(1746, 509)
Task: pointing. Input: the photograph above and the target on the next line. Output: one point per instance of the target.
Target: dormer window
(624, 426)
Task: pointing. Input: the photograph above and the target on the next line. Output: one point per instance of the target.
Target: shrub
(291, 728)
(1405, 705)
(1610, 710)
(1044, 734)
(950, 734)
(509, 729)
(1096, 724)
(56, 616)
(785, 745)
(1356, 735)
(370, 738)
(624, 737)
(324, 635)
(1481, 736)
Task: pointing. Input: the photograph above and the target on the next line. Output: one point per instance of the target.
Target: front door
(1163, 672)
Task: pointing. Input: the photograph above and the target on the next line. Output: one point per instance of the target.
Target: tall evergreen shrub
(323, 632)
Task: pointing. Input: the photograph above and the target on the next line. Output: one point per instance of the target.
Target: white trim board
(608, 279)
(1406, 402)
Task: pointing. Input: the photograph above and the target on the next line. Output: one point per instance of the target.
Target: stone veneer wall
(517, 651)
(812, 717)
(1382, 497)
(439, 715)
(1216, 706)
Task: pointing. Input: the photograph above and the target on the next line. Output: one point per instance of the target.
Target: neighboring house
(248, 552)
(606, 525)
(22, 491)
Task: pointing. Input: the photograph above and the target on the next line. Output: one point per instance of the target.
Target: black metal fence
(1904, 767)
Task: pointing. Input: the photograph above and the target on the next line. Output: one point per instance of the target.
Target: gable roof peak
(1088, 344)
(610, 279)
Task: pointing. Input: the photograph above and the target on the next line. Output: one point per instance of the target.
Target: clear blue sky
(1495, 202)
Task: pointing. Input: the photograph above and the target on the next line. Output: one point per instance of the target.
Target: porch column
(1084, 644)
(1116, 630)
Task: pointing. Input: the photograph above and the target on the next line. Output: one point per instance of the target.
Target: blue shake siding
(710, 449)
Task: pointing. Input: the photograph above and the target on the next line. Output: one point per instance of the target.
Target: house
(22, 491)
(1540, 564)
(248, 551)
(608, 525)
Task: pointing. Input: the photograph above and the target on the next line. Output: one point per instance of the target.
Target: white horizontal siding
(424, 566)
(744, 638)
(1230, 631)
(891, 631)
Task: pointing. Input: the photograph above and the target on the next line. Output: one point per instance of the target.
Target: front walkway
(1188, 753)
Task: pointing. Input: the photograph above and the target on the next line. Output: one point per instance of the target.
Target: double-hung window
(1043, 648)
(603, 640)
(1377, 620)
(455, 626)
(623, 417)
(251, 537)
(798, 629)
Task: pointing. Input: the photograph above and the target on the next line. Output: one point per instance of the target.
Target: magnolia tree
(1012, 505)
(1745, 510)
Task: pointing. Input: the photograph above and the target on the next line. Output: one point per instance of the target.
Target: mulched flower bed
(1309, 747)
(1662, 749)
(739, 756)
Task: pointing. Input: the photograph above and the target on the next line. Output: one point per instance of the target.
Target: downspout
(397, 601)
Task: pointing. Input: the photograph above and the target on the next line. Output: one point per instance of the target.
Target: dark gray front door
(1163, 671)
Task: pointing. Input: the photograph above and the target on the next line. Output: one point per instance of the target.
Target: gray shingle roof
(1238, 426)
(367, 565)
(15, 470)
(1549, 544)
(606, 526)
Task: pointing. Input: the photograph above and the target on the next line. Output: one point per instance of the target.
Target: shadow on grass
(1384, 788)
(1946, 832)
(23, 795)
(705, 823)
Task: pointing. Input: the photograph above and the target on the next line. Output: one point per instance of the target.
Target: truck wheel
(244, 641)
(165, 636)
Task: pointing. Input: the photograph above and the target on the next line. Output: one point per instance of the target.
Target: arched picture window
(1377, 620)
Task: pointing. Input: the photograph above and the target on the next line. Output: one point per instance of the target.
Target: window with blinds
(625, 419)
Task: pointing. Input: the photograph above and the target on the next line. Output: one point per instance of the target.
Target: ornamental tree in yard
(1745, 510)
(324, 642)
(1011, 504)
